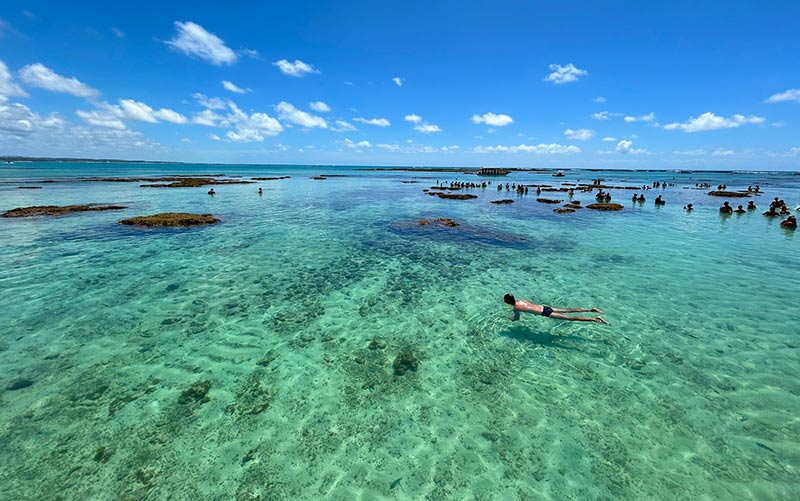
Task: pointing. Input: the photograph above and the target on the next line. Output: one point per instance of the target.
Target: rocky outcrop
(605, 207)
(171, 220)
(191, 182)
(456, 196)
(443, 221)
(500, 202)
(548, 201)
(55, 210)
(405, 362)
(270, 178)
(563, 210)
(731, 194)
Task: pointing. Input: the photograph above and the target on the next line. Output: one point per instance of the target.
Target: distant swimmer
(740, 210)
(726, 208)
(789, 223)
(260, 191)
(689, 208)
(211, 191)
(751, 205)
(522, 306)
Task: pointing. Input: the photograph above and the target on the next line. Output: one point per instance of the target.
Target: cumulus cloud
(206, 117)
(296, 69)
(291, 114)
(650, 118)
(388, 147)
(101, 119)
(212, 103)
(599, 99)
(342, 126)
(398, 81)
(254, 127)
(8, 88)
(380, 122)
(788, 95)
(17, 120)
(39, 75)
(564, 74)
(539, 149)
(230, 86)
(719, 152)
(492, 119)
(709, 121)
(360, 144)
(609, 139)
(427, 128)
(601, 115)
(168, 115)
(579, 135)
(414, 119)
(193, 40)
(625, 147)
(320, 107)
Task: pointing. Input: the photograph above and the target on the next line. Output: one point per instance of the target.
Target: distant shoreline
(4, 160)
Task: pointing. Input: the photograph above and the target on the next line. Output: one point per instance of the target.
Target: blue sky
(687, 85)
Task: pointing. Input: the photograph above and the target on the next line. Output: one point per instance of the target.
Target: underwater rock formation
(171, 220)
(456, 196)
(197, 393)
(404, 362)
(55, 210)
(563, 210)
(548, 201)
(732, 194)
(444, 221)
(504, 201)
(191, 182)
(270, 178)
(605, 207)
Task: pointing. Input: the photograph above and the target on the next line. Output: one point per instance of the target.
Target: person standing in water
(522, 306)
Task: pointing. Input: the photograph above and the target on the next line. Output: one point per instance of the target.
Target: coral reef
(171, 219)
(404, 362)
(55, 210)
(605, 207)
(504, 201)
(548, 201)
(195, 394)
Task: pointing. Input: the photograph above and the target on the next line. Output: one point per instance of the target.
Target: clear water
(692, 392)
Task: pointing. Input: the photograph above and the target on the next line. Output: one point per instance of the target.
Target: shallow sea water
(294, 308)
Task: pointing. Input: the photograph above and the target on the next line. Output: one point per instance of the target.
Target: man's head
(509, 299)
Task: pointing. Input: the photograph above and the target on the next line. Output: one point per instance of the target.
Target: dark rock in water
(605, 207)
(505, 201)
(171, 219)
(319, 178)
(564, 211)
(731, 194)
(443, 221)
(102, 454)
(197, 393)
(55, 210)
(270, 178)
(19, 384)
(29, 187)
(376, 344)
(405, 361)
(190, 182)
(409, 182)
(548, 201)
(456, 196)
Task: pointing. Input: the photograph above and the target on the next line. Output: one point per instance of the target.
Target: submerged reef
(456, 196)
(443, 221)
(548, 201)
(171, 219)
(504, 201)
(564, 210)
(731, 194)
(605, 207)
(404, 362)
(270, 178)
(55, 210)
(197, 393)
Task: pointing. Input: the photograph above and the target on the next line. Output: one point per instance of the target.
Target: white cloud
(39, 75)
(230, 86)
(253, 128)
(599, 99)
(101, 119)
(778, 124)
(291, 114)
(626, 147)
(360, 144)
(388, 147)
(117, 32)
(320, 107)
(398, 81)
(788, 95)
(540, 149)
(170, 116)
(186, 140)
(212, 103)
(206, 117)
(564, 74)
(601, 115)
(609, 139)
(296, 69)
(427, 128)
(650, 118)
(17, 120)
(579, 135)
(342, 126)
(719, 152)
(492, 119)
(415, 119)
(8, 88)
(380, 122)
(193, 40)
(710, 121)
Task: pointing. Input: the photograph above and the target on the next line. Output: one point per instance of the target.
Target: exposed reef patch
(171, 220)
(605, 207)
(55, 210)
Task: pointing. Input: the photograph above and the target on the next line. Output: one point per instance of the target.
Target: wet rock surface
(55, 210)
(605, 207)
(405, 362)
(564, 211)
(195, 394)
(548, 201)
(501, 202)
(731, 194)
(456, 196)
(193, 182)
(171, 220)
(278, 178)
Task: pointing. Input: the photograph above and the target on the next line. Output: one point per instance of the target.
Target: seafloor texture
(320, 343)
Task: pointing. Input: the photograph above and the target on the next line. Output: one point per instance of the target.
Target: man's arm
(516, 316)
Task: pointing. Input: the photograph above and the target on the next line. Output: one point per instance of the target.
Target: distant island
(12, 158)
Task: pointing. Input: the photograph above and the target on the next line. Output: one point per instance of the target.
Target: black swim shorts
(546, 311)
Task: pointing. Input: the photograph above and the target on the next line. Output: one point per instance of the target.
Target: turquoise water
(692, 392)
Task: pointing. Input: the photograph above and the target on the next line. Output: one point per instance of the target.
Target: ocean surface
(255, 358)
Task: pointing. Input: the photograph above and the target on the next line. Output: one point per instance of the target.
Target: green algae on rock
(605, 207)
(197, 393)
(171, 220)
(564, 210)
(55, 210)
(456, 196)
(404, 362)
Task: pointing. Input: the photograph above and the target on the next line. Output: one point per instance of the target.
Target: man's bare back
(523, 306)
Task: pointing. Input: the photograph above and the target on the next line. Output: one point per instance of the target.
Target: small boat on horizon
(558, 174)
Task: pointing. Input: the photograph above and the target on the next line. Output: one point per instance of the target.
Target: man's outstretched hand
(595, 310)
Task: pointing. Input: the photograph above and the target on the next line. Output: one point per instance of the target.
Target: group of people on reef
(461, 184)
(662, 184)
(776, 208)
(702, 185)
(603, 196)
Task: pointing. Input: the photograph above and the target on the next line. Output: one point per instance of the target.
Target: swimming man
(522, 306)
